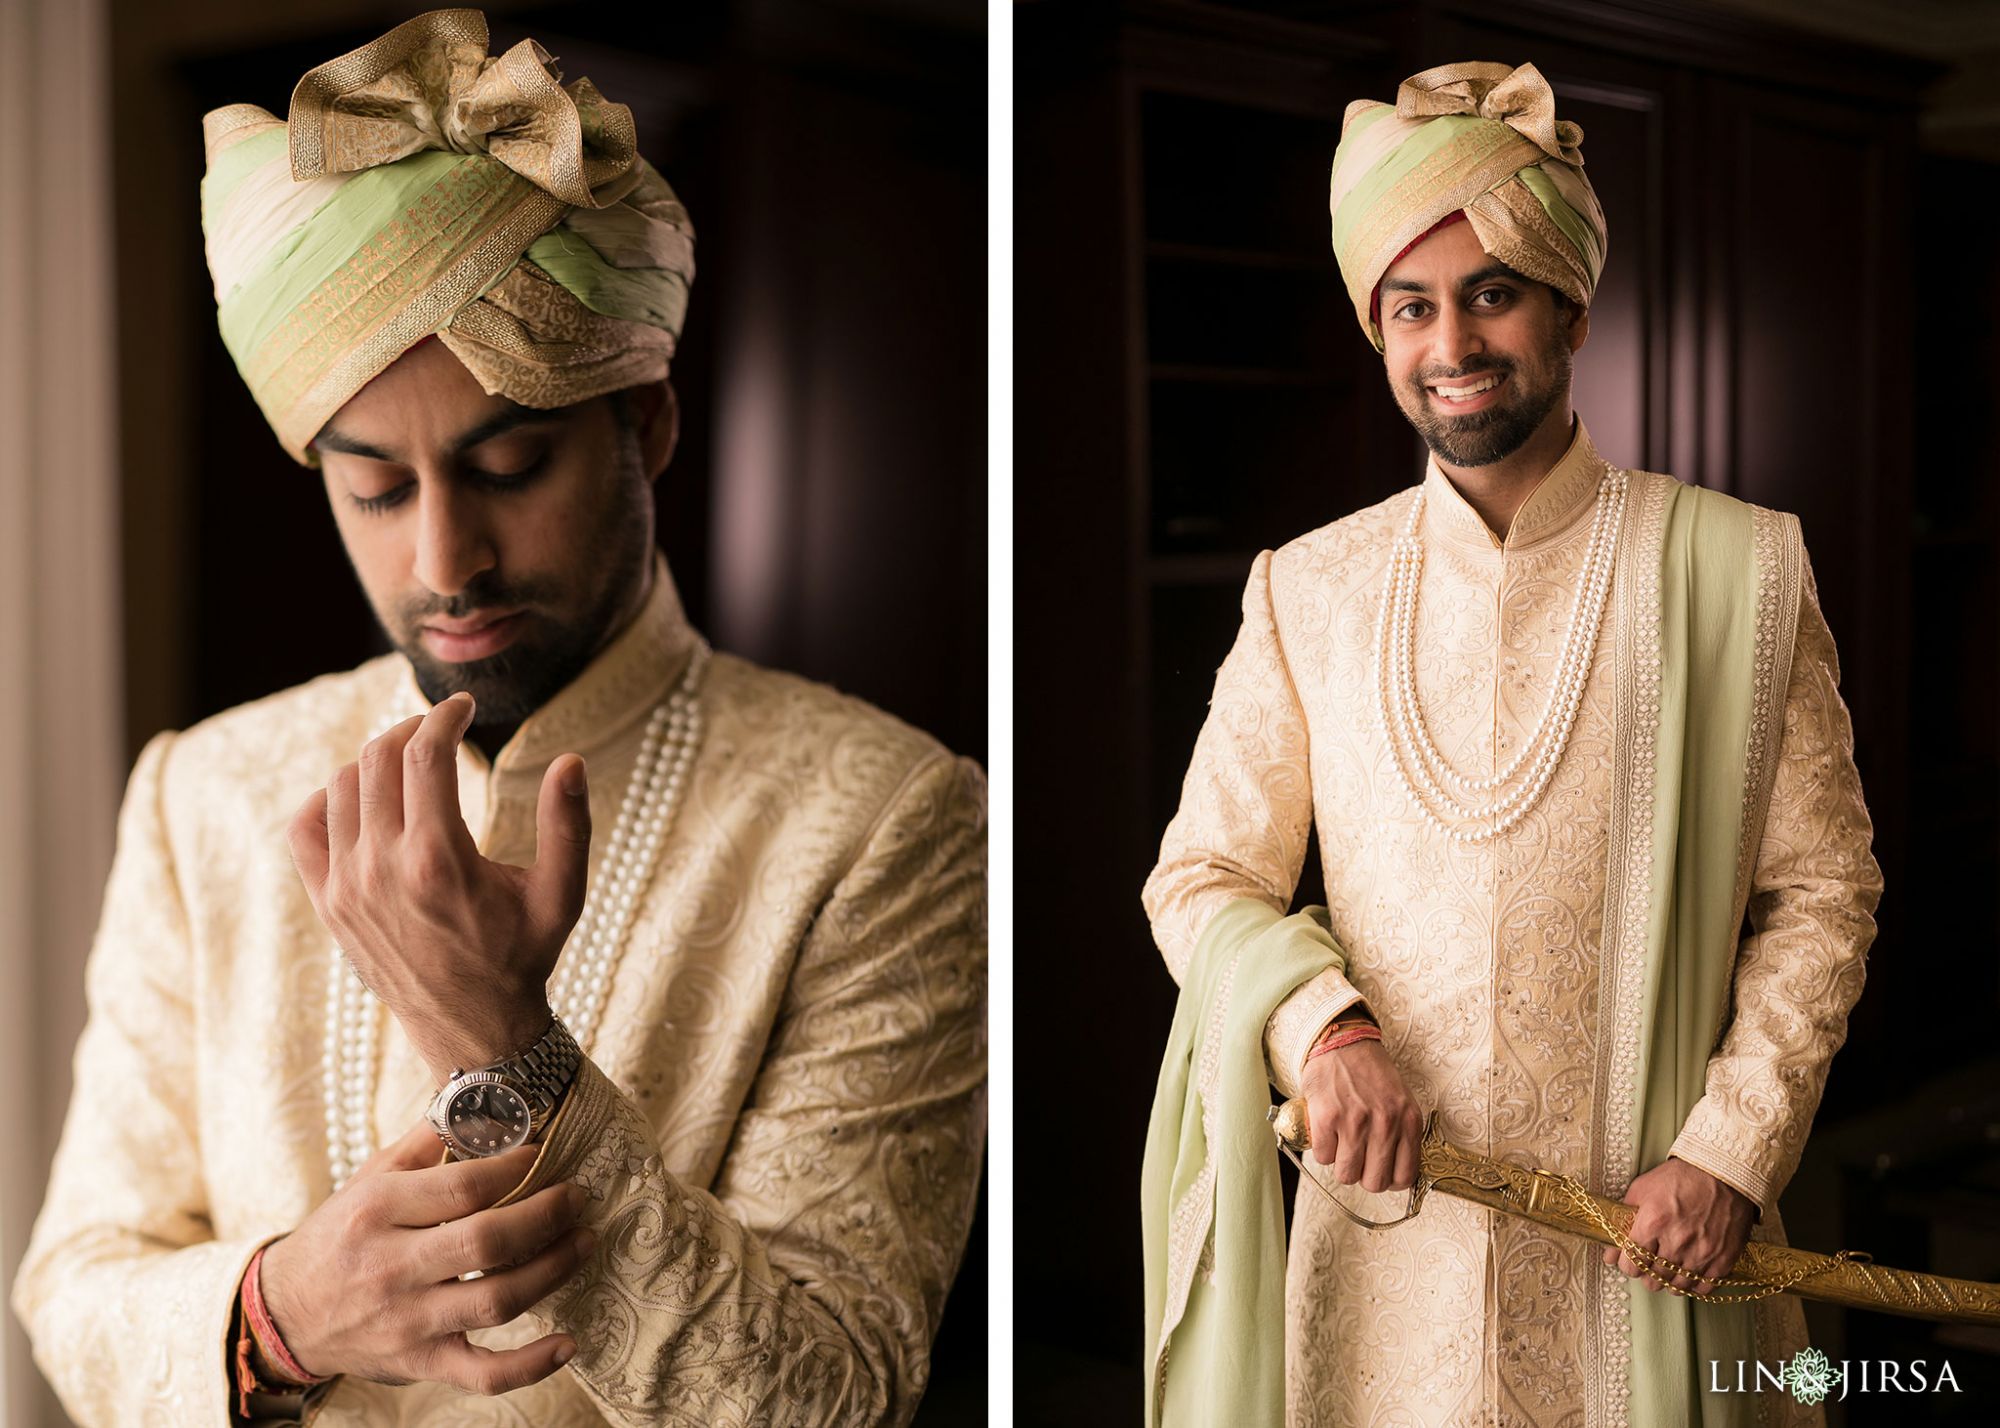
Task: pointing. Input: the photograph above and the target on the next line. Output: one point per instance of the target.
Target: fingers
(382, 779)
(1382, 1150)
(343, 812)
(1624, 1263)
(430, 769)
(1350, 1157)
(562, 846)
(501, 1297)
(422, 1198)
(1408, 1158)
(495, 1238)
(495, 1371)
(1325, 1132)
(416, 1149)
(307, 839)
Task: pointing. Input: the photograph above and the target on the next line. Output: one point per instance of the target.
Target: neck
(1498, 490)
(490, 739)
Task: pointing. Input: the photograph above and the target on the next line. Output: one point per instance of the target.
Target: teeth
(1459, 394)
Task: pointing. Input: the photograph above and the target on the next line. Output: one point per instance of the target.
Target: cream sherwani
(1486, 963)
(779, 1123)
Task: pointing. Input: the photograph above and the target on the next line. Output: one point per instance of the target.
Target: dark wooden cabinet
(1191, 387)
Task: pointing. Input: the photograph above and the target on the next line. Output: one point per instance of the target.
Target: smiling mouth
(1466, 390)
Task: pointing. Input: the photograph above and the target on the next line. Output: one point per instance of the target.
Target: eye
(375, 505)
(1411, 311)
(1499, 296)
(508, 480)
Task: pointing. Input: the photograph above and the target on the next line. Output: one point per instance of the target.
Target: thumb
(562, 845)
(418, 1149)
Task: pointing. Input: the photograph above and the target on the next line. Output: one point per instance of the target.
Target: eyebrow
(511, 416)
(1484, 275)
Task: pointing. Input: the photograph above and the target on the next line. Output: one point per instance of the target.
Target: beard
(554, 645)
(1483, 437)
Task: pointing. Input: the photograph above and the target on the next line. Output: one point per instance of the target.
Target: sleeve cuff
(1299, 1020)
(577, 1126)
(1706, 1155)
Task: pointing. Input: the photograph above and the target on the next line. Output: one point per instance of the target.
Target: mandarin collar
(619, 686)
(1558, 505)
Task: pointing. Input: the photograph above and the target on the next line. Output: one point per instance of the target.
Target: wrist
(1339, 1036)
(273, 1354)
(1356, 1015)
(486, 1040)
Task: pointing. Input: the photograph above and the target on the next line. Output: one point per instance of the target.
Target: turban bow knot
(429, 84)
(419, 187)
(1519, 98)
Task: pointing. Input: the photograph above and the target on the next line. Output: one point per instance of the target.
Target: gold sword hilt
(1294, 1131)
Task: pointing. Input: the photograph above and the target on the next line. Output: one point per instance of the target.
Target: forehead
(426, 401)
(424, 397)
(1441, 260)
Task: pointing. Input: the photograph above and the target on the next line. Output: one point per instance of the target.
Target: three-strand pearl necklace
(590, 958)
(1467, 809)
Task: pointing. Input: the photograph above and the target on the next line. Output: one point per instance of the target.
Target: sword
(1849, 1277)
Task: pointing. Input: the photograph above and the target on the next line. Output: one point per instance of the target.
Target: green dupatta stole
(1704, 656)
(1707, 602)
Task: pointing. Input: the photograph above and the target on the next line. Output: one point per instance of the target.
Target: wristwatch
(492, 1110)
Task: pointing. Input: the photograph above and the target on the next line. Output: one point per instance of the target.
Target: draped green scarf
(1729, 589)
(1211, 1171)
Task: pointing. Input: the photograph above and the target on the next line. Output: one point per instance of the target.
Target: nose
(453, 543)
(1455, 336)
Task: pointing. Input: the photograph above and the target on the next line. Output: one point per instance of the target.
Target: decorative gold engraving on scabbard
(1849, 1277)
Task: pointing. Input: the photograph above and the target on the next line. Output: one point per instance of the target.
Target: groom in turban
(605, 1031)
(1558, 726)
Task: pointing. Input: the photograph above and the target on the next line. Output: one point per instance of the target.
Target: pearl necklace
(1419, 763)
(590, 958)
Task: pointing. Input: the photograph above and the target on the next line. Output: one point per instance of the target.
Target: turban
(419, 186)
(1479, 137)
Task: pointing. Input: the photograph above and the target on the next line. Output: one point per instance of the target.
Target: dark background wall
(1799, 300)
(825, 511)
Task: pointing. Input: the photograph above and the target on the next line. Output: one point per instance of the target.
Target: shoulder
(1702, 506)
(261, 759)
(1342, 552)
(812, 753)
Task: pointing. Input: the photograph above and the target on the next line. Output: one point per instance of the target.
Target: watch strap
(542, 1074)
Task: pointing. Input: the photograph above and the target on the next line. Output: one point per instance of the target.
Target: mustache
(479, 594)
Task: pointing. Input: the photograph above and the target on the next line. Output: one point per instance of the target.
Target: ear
(659, 425)
(1579, 326)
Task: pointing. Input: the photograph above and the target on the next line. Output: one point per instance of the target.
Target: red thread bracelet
(268, 1337)
(1348, 1037)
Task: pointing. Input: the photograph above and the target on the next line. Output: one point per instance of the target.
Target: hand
(459, 948)
(1364, 1121)
(1688, 1216)
(368, 1283)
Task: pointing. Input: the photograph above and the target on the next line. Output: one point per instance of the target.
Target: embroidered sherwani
(1490, 965)
(779, 1123)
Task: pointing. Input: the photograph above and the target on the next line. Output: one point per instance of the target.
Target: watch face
(487, 1118)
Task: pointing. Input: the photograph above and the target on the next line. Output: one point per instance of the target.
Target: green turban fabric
(419, 186)
(1479, 137)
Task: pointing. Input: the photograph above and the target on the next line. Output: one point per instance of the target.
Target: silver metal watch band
(544, 1071)
(542, 1074)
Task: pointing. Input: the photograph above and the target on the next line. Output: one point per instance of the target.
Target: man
(409, 1085)
(1557, 725)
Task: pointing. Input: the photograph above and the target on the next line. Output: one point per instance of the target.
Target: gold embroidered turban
(1479, 137)
(421, 186)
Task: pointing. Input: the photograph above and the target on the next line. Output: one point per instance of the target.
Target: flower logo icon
(1810, 1376)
